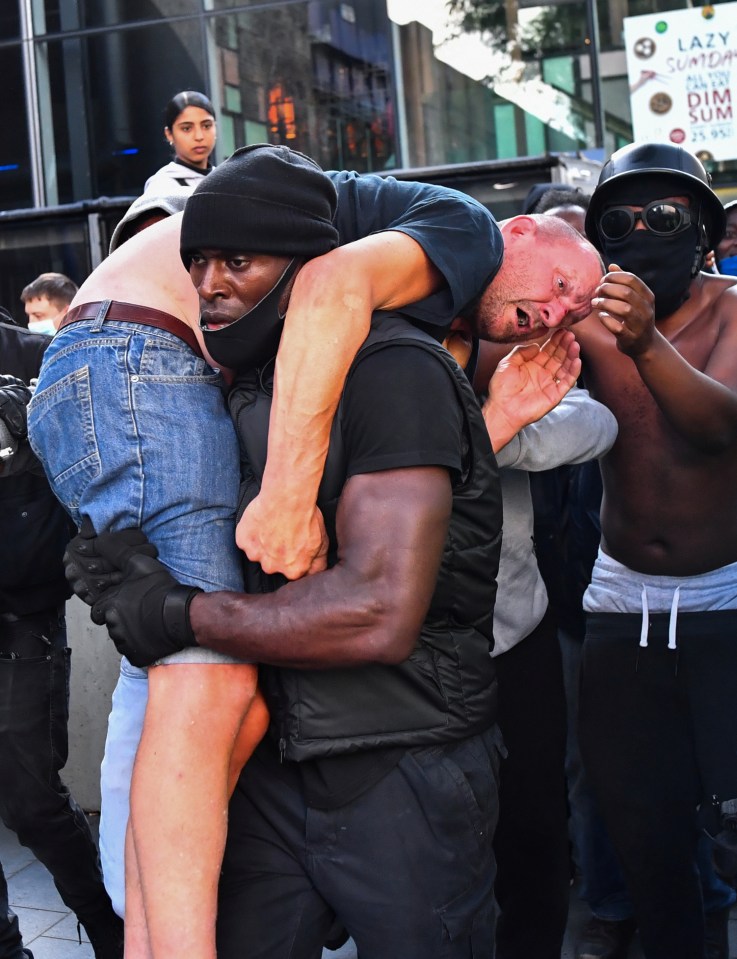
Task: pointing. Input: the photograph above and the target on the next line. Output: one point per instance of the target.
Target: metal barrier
(71, 239)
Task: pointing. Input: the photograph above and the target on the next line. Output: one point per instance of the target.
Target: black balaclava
(667, 264)
(262, 199)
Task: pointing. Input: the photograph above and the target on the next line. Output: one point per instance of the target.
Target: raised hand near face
(626, 307)
(528, 383)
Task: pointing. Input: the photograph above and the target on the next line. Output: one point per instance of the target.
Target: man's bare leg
(136, 934)
(252, 731)
(179, 797)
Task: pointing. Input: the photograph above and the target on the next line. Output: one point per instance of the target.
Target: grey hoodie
(577, 430)
(144, 206)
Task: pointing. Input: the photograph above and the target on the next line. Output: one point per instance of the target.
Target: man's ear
(517, 228)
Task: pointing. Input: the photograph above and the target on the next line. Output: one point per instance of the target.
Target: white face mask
(42, 326)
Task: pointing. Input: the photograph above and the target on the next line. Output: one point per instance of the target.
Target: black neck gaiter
(253, 339)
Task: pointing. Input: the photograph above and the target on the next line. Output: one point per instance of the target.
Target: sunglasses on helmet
(661, 217)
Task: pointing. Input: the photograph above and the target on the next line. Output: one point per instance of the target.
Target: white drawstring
(673, 619)
(645, 619)
(671, 624)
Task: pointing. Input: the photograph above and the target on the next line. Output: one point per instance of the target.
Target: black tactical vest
(446, 689)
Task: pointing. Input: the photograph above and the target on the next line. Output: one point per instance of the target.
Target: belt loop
(100, 317)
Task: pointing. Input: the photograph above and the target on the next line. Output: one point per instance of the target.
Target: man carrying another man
(383, 691)
(127, 387)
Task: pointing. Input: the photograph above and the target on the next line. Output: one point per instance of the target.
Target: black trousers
(10, 939)
(531, 842)
(658, 734)
(34, 802)
(407, 867)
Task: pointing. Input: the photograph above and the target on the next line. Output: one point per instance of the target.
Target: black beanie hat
(262, 199)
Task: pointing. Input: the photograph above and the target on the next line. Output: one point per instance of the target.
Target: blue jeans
(133, 430)
(34, 802)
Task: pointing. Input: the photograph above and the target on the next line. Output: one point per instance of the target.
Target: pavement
(50, 929)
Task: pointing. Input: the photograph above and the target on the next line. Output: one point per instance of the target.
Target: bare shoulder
(146, 270)
(714, 308)
(709, 338)
(723, 295)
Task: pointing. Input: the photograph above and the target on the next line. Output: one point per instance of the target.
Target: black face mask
(253, 339)
(667, 264)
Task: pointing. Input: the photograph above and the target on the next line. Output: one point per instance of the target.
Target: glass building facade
(86, 82)
(488, 96)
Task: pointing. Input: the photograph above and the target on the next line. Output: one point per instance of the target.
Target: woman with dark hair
(189, 129)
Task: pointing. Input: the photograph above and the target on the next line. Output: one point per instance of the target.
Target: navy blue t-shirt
(457, 233)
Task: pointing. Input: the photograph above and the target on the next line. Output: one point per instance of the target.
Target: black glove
(147, 613)
(144, 607)
(88, 572)
(14, 399)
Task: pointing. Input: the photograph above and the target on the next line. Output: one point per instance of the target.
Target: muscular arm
(404, 243)
(700, 406)
(368, 607)
(327, 321)
(401, 444)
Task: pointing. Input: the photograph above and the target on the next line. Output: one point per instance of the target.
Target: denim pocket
(61, 430)
(165, 360)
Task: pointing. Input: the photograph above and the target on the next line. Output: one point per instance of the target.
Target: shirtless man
(659, 677)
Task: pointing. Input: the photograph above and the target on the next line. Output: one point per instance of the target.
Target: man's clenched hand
(282, 540)
(626, 307)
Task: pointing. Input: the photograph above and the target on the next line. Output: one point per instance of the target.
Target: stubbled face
(543, 283)
(728, 245)
(230, 284)
(193, 136)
